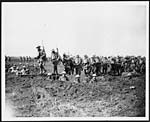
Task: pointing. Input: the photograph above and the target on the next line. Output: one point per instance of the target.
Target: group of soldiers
(91, 66)
(21, 59)
(7, 58)
(99, 65)
(25, 58)
(65, 78)
(114, 65)
(22, 70)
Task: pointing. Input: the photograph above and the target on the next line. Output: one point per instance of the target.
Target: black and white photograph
(75, 60)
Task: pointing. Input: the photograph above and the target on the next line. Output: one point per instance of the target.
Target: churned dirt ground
(41, 97)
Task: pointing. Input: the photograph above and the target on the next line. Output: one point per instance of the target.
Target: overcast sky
(80, 28)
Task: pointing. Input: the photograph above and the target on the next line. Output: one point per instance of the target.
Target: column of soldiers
(23, 70)
(7, 58)
(97, 65)
(25, 59)
(91, 66)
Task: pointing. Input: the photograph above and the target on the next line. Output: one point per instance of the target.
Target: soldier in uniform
(55, 58)
(143, 66)
(77, 79)
(97, 65)
(8, 58)
(85, 60)
(18, 72)
(24, 71)
(64, 77)
(78, 65)
(87, 79)
(21, 58)
(93, 80)
(27, 58)
(132, 65)
(86, 65)
(93, 64)
(24, 59)
(67, 64)
(40, 57)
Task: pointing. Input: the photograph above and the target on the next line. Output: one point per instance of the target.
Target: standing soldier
(27, 58)
(105, 66)
(40, 59)
(93, 64)
(85, 60)
(20, 58)
(86, 65)
(98, 65)
(44, 56)
(78, 65)
(55, 58)
(24, 58)
(6, 59)
(143, 65)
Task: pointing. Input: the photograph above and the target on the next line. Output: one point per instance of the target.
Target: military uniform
(86, 79)
(86, 63)
(41, 65)
(93, 80)
(85, 60)
(64, 78)
(77, 79)
(55, 61)
(78, 67)
(40, 58)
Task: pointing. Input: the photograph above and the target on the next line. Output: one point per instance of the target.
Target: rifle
(57, 51)
(44, 56)
(58, 56)
(43, 46)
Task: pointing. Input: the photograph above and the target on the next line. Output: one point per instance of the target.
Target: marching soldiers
(99, 65)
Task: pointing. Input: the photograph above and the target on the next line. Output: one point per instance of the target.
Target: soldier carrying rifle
(41, 59)
(55, 58)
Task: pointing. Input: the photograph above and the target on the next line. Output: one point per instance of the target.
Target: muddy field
(41, 97)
